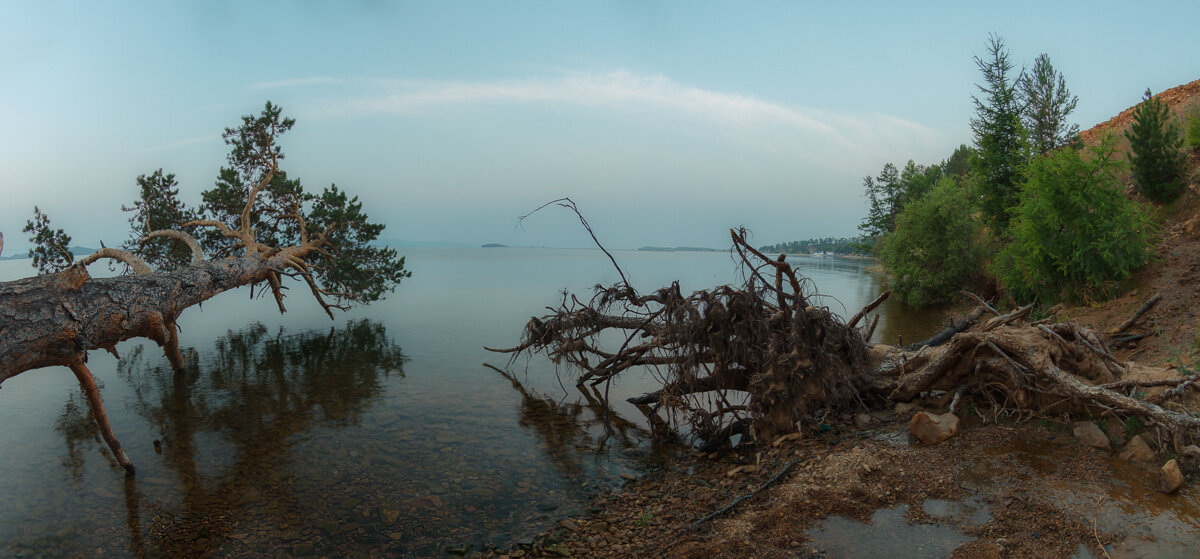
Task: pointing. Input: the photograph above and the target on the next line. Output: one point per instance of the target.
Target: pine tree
(1156, 159)
(1046, 102)
(997, 128)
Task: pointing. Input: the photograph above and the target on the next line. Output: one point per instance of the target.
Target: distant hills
(23, 254)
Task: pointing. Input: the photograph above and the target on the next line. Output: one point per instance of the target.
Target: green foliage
(998, 136)
(50, 250)
(158, 208)
(1156, 159)
(936, 248)
(351, 268)
(348, 267)
(1046, 102)
(893, 190)
(1191, 128)
(344, 266)
(1134, 426)
(1075, 234)
(958, 165)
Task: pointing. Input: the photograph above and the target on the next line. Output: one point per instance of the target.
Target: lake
(380, 433)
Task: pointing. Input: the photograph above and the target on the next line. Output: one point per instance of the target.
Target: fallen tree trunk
(56, 319)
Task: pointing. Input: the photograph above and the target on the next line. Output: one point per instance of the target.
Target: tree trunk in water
(54, 320)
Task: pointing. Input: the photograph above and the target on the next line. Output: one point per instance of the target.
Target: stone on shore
(1136, 450)
(1090, 434)
(1170, 479)
(933, 429)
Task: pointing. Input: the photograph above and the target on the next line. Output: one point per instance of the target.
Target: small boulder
(933, 429)
(1136, 450)
(905, 408)
(862, 421)
(1170, 479)
(1090, 434)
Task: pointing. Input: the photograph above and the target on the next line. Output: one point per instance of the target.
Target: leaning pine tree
(1157, 159)
(256, 228)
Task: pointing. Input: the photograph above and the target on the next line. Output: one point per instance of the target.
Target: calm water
(379, 433)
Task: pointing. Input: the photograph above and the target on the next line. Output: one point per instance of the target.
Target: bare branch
(1149, 304)
(982, 303)
(570, 205)
(190, 241)
(88, 383)
(870, 307)
(137, 264)
(247, 228)
(224, 229)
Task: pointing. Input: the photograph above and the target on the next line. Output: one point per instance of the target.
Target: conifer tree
(1156, 159)
(1046, 102)
(997, 128)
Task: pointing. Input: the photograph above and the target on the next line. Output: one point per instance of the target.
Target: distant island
(825, 245)
(679, 249)
(75, 250)
(495, 245)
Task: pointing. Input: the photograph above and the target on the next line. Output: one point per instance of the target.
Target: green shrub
(1075, 235)
(1156, 159)
(1191, 128)
(936, 248)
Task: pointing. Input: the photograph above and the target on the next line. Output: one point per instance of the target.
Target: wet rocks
(1136, 450)
(1090, 434)
(932, 428)
(1170, 479)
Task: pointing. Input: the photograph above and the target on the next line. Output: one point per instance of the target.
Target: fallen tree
(255, 228)
(762, 359)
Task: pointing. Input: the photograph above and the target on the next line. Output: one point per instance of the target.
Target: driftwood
(1145, 308)
(761, 359)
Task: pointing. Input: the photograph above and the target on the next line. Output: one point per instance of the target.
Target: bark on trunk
(56, 319)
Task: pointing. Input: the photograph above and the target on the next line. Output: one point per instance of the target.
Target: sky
(666, 122)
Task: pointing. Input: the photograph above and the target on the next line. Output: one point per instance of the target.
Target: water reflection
(579, 435)
(226, 428)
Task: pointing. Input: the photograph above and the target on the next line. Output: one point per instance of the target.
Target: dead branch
(870, 307)
(1145, 308)
(945, 335)
(128, 258)
(981, 302)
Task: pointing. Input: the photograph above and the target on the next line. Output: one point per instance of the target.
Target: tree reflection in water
(573, 430)
(225, 427)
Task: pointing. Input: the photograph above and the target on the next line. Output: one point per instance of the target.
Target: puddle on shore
(1127, 505)
(889, 535)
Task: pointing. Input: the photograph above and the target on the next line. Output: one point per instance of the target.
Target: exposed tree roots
(761, 359)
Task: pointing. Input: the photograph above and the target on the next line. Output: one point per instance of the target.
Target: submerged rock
(932, 428)
(1090, 434)
(1136, 450)
(1170, 479)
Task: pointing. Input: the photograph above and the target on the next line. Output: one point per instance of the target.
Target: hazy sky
(667, 122)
